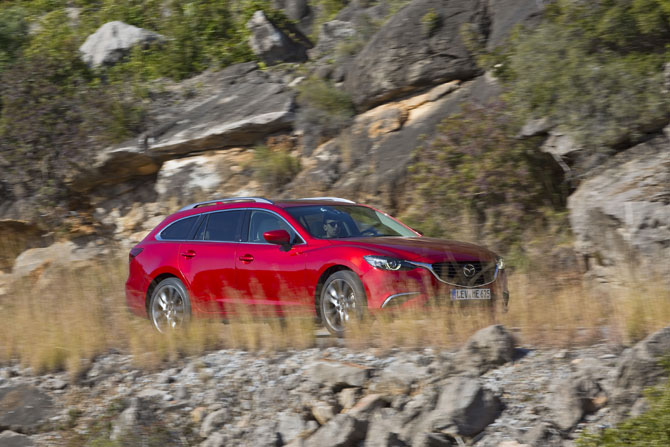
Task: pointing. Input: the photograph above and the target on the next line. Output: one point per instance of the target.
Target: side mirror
(278, 237)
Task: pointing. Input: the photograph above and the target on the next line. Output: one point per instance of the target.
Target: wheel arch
(152, 286)
(320, 283)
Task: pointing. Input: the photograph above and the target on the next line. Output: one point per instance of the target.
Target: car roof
(282, 203)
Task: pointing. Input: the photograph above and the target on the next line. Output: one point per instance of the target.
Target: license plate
(470, 294)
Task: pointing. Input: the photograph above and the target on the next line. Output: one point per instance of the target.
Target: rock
(113, 166)
(11, 439)
(559, 144)
(432, 440)
(620, 216)
(127, 422)
(399, 58)
(367, 405)
(290, 426)
(17, 236)
(337, 374)
(348, 397)
(506, 14)
(381, 433)
(212, 174)
(543, 434)
(272, 45)
(486, 349)
(113, 40)
(639, 368)
(213, 421)
(61, 254)
(576, 396)
(464, 408)
(399, 377)
(248, 106)
(341, 431)
(23, 408)
(535, 127)
(330, 35)
(323, 412)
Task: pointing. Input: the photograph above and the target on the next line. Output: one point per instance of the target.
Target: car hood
(421, 249)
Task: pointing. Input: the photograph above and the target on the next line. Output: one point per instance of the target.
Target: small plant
(274, 168)
(430, 22)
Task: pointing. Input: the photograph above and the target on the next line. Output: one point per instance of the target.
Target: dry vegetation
(64, 320)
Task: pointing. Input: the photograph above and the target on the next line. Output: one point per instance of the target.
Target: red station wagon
(327, 256)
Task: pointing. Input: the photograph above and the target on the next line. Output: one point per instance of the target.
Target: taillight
(134, 252)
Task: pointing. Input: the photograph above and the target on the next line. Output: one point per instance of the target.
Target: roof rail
(334, 199)
(229, 199)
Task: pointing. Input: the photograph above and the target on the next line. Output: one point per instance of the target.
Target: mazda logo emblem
(469, 270)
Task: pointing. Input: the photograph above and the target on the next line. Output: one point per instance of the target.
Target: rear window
(179, 230)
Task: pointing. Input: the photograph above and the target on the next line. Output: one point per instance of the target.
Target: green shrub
(274, 168)
(475, 173)
(13, 34)
(651, 429)
(594, 67)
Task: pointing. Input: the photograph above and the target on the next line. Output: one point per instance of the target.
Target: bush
(651, 429)
(13, 34)
(274, 168)
(475, 170)
(324, 111)
(595, 68)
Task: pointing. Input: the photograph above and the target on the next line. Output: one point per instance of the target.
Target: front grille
(454, 272)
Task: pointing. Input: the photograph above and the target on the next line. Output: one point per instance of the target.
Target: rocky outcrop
(621, 215)
(15, 237)
(114, 40)
(506, 14)
(419, 46)
(272, 45)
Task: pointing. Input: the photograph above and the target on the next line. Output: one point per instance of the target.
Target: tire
(342, 301)
(169, 306)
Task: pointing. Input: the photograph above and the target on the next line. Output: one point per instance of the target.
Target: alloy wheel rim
(339, 304)
(168, 309)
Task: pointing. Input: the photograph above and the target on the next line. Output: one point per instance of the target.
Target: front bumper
(418, 287)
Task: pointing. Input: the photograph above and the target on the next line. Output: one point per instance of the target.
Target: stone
(543, 434)
(367, 405)
(341, 431)
(398, 377)
(114, 40)
(272, 45)
(381, 433)
(620, 216)
(639, 368)
(337, 374)
(17, 236)
(23, 408)
(486, 349)
(290, 426)
(464, 408)
(330, 35)
(399, 58)
(36, 261)
(214, 421)
(348, 397)
(576, 396)
(11, 439)
(323, 412)
(506, 14)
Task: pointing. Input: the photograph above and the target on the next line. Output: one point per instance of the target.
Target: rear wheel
(169, 306)
(342, 301)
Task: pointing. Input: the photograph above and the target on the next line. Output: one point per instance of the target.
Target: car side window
(223, 226)
(262, 221)
(179, 230)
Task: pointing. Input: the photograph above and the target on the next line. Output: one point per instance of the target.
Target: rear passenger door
(208, 262)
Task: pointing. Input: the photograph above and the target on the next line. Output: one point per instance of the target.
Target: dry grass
(66, 319)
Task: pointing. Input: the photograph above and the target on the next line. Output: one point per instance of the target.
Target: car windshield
(344, 221)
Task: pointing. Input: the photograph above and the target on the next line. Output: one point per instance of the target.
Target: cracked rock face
(621, 215)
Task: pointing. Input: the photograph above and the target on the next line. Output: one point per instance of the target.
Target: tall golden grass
(67, 318)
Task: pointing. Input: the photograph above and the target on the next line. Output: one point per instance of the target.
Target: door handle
(246, 258)
(188, 254)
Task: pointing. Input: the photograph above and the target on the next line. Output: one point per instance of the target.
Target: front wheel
(169, 306)
(342, 301)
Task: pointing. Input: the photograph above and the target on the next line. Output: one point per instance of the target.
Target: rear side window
(179, 230)
(224, 226)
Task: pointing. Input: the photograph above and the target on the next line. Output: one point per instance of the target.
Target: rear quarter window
(179, 230)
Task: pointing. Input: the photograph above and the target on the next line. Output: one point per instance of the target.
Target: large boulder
(419, 46)
(24, 408)
(639, 368)
(113, 40)
(488, 348)
(248, 105)
(272, 45)
(464, 408)
(621, 215)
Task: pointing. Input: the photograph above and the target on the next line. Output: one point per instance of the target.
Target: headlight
(500, 263)
(386, 263)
